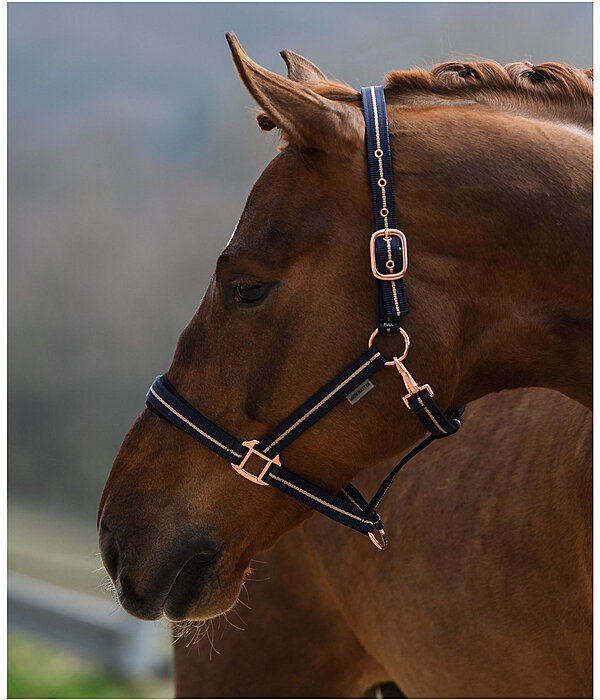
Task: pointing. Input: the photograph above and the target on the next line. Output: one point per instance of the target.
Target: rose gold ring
(381, 542)
(406, 345)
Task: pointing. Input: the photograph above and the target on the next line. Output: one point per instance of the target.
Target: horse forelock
(554, 89)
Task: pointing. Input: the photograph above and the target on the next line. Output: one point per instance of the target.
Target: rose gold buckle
(255, 479)
(387, 233)
(411, 386)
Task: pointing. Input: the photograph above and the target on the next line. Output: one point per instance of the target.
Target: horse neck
(504, 247)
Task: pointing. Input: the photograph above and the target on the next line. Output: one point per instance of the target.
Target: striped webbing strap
(389, 253)
(347, 507)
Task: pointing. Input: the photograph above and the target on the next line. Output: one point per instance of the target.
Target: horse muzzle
(180, 581)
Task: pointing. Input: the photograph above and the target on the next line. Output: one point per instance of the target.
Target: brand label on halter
(359, 392)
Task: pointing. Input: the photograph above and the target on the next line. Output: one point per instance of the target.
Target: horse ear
(300, 69)
(305, 118)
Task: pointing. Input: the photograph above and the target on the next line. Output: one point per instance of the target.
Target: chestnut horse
(493, 179)
(500, 605)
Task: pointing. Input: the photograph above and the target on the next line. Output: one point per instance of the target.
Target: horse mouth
(198, 593)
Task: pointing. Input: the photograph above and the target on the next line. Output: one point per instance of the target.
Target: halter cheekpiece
(389, 262)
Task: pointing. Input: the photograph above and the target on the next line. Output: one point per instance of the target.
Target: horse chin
(202, 610)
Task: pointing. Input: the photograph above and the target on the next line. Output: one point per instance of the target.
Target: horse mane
(550, 91)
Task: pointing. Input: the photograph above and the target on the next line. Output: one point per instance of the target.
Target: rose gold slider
(255, 478)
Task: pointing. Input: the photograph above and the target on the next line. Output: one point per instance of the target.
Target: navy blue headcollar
(389, 262)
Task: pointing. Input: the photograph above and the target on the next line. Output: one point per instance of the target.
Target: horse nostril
(109, 551)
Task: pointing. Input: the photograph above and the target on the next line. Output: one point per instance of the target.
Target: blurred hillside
(132, 147)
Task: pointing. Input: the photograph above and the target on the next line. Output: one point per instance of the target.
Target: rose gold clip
(411, 386)
(387, 234)
(254, 478)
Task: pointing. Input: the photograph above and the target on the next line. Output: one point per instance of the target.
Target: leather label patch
(359, 392)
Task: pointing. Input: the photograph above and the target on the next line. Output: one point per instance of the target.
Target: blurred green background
(62, 674)
(132, 147)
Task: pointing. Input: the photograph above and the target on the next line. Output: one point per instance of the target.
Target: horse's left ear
(300, 69)
(305, 118)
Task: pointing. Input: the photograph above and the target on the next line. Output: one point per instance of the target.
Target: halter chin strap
(388, 263)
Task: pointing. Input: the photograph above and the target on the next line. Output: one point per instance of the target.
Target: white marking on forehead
(233, 233)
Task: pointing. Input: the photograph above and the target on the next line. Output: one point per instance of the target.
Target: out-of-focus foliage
(37, 670)
(132, 146)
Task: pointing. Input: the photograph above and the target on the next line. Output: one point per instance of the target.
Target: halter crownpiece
(389, 256)
(389, 262)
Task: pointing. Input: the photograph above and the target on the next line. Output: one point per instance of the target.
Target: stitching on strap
(393, 282)
(350, 498)
(195, 427)
(438, 426)
(321, 402)
(329, 505)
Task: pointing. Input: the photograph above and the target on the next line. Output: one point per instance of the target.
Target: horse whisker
(236, 611)
(229, 622)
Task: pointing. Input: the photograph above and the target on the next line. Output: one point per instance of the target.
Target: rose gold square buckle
(387, 234)
(254, 478)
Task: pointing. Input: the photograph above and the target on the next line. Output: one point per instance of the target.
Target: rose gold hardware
(387, 233)
(384, 212)
(382, 182)
(380, 543)
(255, 479)
(390, 264)
(411, 386)
(378, 153)
(406, 345)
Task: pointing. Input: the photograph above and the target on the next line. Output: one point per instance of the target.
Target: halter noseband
(389, 261)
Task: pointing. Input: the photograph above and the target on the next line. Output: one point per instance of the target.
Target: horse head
(292, 301)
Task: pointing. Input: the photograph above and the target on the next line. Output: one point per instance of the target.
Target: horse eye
(248, 293)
